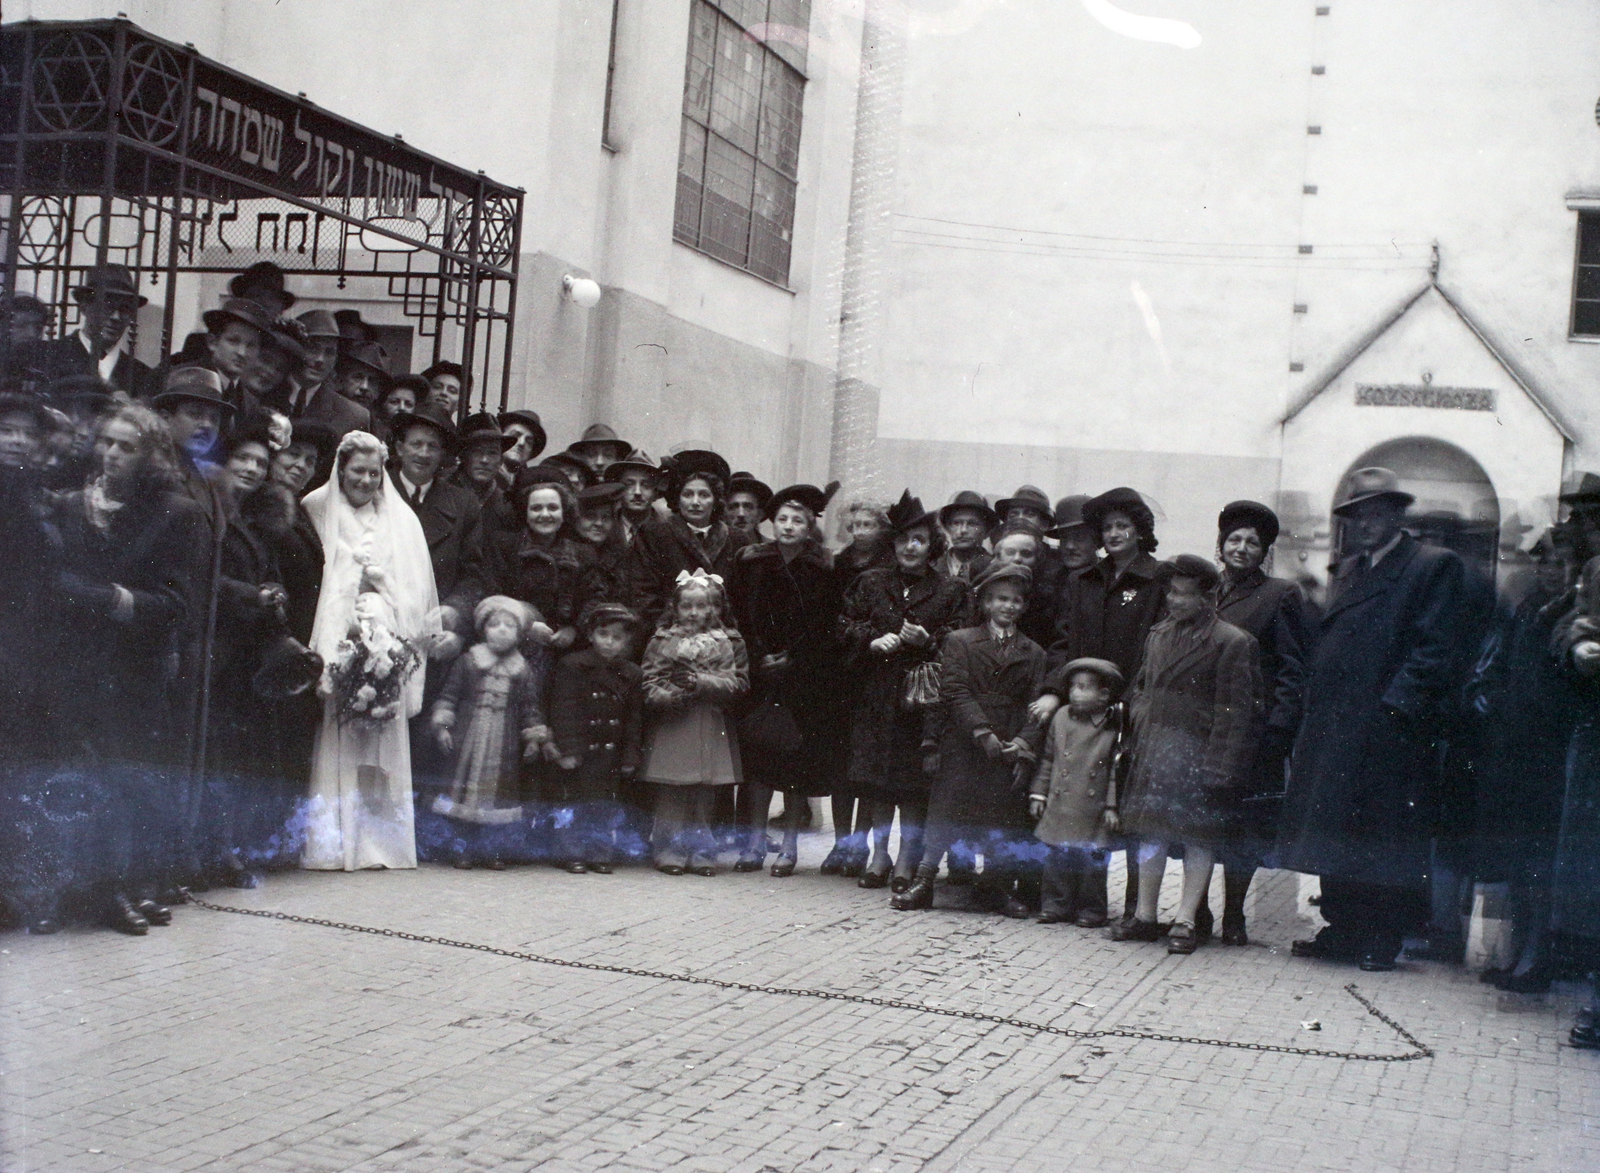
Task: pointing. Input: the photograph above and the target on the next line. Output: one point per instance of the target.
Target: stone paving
(235, 1043)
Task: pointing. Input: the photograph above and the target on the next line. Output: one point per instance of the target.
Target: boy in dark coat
(596, 720)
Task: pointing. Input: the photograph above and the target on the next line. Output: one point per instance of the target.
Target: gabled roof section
(1364, 343)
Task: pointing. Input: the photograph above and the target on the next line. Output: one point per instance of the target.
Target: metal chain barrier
(1419, 1050)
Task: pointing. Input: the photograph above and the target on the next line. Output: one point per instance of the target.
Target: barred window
(1586, 281)
(740, 149)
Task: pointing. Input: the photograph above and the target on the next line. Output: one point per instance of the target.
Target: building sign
(1424, 394)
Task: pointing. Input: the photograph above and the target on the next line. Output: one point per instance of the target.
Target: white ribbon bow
(699, 575)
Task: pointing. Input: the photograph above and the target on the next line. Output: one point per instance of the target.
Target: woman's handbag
(921, 687)
(768, 731)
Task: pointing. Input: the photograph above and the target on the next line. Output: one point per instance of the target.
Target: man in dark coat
(109, 303)
(452, 519)
(316, 394)
(1361, 773)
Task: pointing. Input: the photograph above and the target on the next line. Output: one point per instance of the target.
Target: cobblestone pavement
(234, 1043)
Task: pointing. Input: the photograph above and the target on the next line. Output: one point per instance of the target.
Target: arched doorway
(1456, 506)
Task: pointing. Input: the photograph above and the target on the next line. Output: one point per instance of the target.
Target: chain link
(1419, 1051)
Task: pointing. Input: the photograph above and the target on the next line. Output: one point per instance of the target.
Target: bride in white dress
(375, 557)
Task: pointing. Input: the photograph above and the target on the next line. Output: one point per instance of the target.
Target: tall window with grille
(739, 156)
(1586, 281)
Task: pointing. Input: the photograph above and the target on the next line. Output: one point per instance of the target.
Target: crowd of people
(274, 606)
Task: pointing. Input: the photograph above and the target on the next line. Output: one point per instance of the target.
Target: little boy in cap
(596, 718)
(1074, 794)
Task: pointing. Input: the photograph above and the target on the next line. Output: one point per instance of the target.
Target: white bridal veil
(385, 535)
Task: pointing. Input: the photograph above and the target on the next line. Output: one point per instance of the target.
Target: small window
(1586, 282)
(739, 154)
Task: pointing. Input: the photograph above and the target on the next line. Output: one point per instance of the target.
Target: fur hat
(522, 612)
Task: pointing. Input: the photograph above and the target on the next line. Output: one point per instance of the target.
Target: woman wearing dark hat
(133, 554)
(866, 527)
(966, 521)
(599, 527)
(991, 672)
(1107, 610)
(1193, 710)
(253, 784)
(748, 499)
(893, 621)
(1273, 611)
(786, 601)
(692, 537)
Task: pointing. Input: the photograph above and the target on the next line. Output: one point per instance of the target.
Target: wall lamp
(581, 290)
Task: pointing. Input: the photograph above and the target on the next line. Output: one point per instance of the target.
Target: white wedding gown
(359, 813)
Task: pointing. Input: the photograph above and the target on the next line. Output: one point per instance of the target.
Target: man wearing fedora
(193, 404)
(483, 444)
(640, 478)
(235, 334)
(315, 394)
(262, 283)
(528, 440)
(599, 448)
(966, 521)
(1363, 771)
(452, 519)
(109, 302)
(363, 374)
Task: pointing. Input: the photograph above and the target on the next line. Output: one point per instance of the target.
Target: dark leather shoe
(1324, 947)
(898, 884)
(1055, 918)
(783, 866)
(156, 914)
(917, 898)
(173, 896)
(1091, 920)
(1182, 939)
(704, 870)
(496, 865)
(1135, 930)
(601, 869)
(578, 868)
(462, 862)
(1235, 936)
(670, 869)
(125, 918)
(1376, 962)
(835, 863)
(1585, 1033)
(1015, 909)
(747, 864)
(873, 880)
(44, 926)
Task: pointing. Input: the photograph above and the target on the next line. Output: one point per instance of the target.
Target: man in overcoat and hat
(316, 394)
(599, 448)
(1364, 767)
(966, 521)
(109, 301)
(451, 516)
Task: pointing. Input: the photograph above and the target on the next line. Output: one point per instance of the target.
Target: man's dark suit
(327, 406)
(40, 364)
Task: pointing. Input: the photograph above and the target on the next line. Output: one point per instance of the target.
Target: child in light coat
(1074, 794)
(696, 665)
(489, 717)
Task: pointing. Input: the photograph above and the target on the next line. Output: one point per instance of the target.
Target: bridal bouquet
(369, 671)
